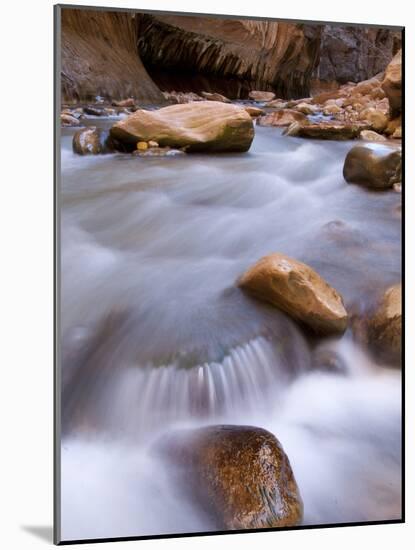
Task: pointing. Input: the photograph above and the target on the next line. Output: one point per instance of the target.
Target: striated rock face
(392, 84)
(354, 54)
(99, 57)
(198, 126)
(229, 56)
(240, 474)
(298, 290)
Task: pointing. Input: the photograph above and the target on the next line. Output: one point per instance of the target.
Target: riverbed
(155, 333)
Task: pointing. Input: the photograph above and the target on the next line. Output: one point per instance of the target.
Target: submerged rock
(215, 97)
(392, 84)
(201, 126)
(158, 152)
(257, 95)
(377, 168)
(284, 117)
(240, 474)
(298, 290)
(92, 141)
(328, 130)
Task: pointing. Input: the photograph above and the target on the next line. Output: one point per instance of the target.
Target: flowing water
(155, 333)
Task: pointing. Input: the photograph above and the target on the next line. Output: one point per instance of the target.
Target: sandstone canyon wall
(99, 57)
(229, 56)
(353, 54)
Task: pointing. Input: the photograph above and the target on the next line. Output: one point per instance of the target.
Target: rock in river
(215, 97)
(240, 474)
(377, 167)
(327, 130)
(298, 290)
(198, 126)
(385, 326)
(92, 141)
(284, 117)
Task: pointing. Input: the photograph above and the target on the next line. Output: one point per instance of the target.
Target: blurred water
(155, 334)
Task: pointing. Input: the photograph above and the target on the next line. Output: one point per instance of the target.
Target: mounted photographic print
(228, 274)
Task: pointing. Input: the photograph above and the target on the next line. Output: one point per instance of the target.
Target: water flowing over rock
(377, 167)
(99, 57)
(229, 56)
(392, 84)
(201, 126)
(298, 290)
(92, 141)
(352, 54)
(241, 475)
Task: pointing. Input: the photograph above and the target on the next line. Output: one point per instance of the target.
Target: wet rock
(215, 97)
(298, 290)
(307, 108)
(370, 135)
(376, 168)
(282, 118)
(257, 95)
(201, 126)
(93, 111)
(92, 141)
(239, 474)
(384, 327)
(254, 111)
(392, 84)
(376, 119)
(335, 130)
(129, 102)
(69, 120)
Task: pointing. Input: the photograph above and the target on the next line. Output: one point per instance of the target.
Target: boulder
(374, 167)
(397, 134)
(92, 141)
(393, 125)
(254, 111)
(201, 126)
(328, 130)
(94, 111)
(392, 84)
(384, 327)
(282, 118)
(298, 290)
(307, 108)
(257, 95)
(240, 475)
(215, 97)
(370, 135)
(376, 119)
(69, 120)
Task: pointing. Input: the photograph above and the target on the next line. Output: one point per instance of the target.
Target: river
(155, 334)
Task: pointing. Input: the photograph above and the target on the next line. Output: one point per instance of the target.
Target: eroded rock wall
(99, 57)
(353, 54)
(229, 56)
